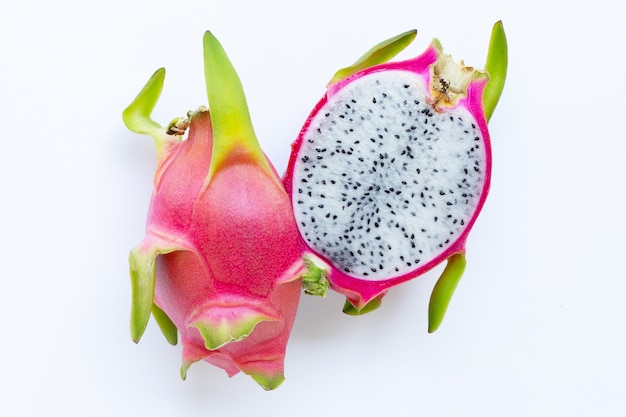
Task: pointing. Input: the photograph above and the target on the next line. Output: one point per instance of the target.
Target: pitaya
(221, 260)
(392, 167)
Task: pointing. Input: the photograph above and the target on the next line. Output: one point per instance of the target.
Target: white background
(536, 327)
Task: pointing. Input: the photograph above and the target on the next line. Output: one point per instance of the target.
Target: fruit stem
(496, 66)
(230, 118)
(444, 290)
(315, 280)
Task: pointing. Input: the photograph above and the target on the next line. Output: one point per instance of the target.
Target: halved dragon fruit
(392, 168)
(221, 260)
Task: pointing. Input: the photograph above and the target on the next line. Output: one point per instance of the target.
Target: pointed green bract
(142, 260)
(268, 383)
(222, 324)
(351, 310)
(142, 276)
(496, 66)
(378, 54)
(230, 117)
(168, 328)
(444, 290)
(137, 116)
(183, 370)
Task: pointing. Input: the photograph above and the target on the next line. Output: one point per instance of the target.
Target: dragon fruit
(221, 262)
(392, 168)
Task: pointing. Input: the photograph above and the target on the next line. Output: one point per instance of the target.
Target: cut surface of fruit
(384, 183)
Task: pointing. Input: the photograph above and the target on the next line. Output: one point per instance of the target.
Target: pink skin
(232, 229)
(221, 263)
(359, 291)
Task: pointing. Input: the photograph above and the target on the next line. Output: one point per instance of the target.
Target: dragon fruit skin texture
(221, 262)
(370, 226)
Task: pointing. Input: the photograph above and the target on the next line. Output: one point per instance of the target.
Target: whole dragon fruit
(392, 168)
(221, 261)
